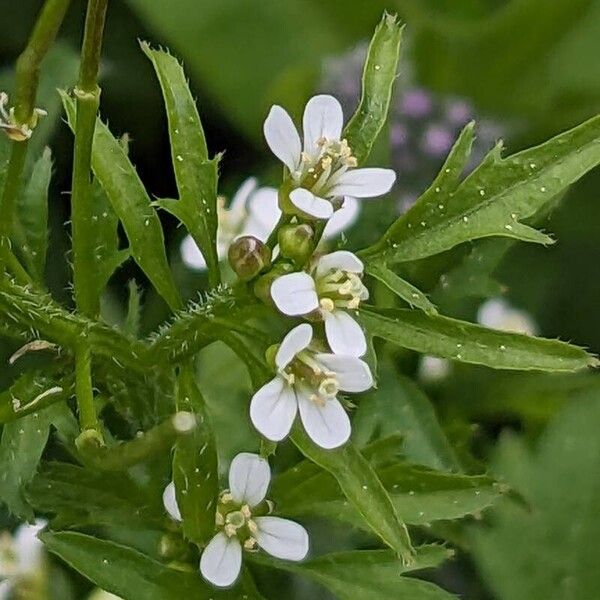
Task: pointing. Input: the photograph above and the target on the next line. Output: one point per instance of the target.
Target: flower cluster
(243, 522)
(17, 132)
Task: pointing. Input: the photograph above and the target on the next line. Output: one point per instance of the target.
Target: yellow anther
(252, 526)
(230, 530)
(245, 510)
(226, 497)
(327, 304)
(250, 544)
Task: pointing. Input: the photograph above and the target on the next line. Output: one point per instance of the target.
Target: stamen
(327, 304)
(245, 510)
(230, 530)
(252, 526)
(250, 544)
(329, 387)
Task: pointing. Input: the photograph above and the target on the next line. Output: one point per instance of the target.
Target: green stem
(87, 94)
(83, 387)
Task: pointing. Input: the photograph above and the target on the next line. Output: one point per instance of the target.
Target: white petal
(28, 546)
(238, 202)
(221, 560)
(312, 205)
(249, 478)
(364, 183)
(282, 538)
(263, 213)
(5, 589)
(353, 374)
(344, 334)
(191, 255)
(323, 117)
(342, 219)
(294, 294)
(294, 342)
(340, 259)
(273, 409)
(170, 502)
(328, 425)
(282, 137)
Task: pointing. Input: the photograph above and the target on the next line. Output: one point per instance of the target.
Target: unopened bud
(262, 287)
(296, 242)
(248, 256)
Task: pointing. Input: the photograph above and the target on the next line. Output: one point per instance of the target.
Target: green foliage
(132, 204)
(195, 173)
(363, 489)
(465, 342)
(560, 525)
(379, 74)
(195, 464)
(370, 574)
(494, 199)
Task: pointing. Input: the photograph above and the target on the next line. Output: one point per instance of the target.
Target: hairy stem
(87, 95)
(83, 386)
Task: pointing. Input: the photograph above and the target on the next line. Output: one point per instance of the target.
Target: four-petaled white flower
(21, 556)
(332, 288)
(323, 171)
(242, 517)
(497, 313)
(308, 381)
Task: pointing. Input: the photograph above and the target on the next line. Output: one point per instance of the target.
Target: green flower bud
(270, 355)
(248, 256)
(297, 242)
(262, 287)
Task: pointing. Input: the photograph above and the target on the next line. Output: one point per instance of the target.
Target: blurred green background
(530, 66)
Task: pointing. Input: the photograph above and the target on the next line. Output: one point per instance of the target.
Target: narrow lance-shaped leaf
(402, 288)
(133, 206)
(195, 173)
(494, 200)
(363, 489)
(380, 71)
(128, 573)
(32, 210)
(369, 574)
(466, 342)
(21, 448)
(195, 469)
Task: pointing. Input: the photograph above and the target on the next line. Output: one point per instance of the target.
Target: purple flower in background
(423, 125)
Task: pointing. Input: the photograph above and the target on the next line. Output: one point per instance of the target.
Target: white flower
(308, 381)
(21, 556)
(332, 288)
(252, 211)
(323, 171)
(433, 368)
(497, 313)
(243, 521)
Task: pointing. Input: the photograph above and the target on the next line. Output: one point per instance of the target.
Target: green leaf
(133, 206)
(466, 342)
(405, 290)
(81, 497)
(32, 211)
(380, 72)
(494, 199)
(195, 174)
(400, 407)
(131, 327)
(560, 483)
(31, 392)
(363, 489)
(195, 468)
(369, 574)
(128, 573)
(23, 442)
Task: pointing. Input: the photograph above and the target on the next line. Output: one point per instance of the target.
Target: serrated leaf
(80, 497)
(195, 468)
(560, 483)
(466, 342)
(128, 573)
(380, 71)
(32, 211)
(369, 574)
(402, 288)
(363, 489)
(23, 442)
(133, 206)
(494, 199)
(399, 406)
(195, 173)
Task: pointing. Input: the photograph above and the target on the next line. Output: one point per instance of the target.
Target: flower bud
(296, 242)
(248, 256)
(262, 288)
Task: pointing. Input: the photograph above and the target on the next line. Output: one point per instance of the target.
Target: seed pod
(248, 256)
